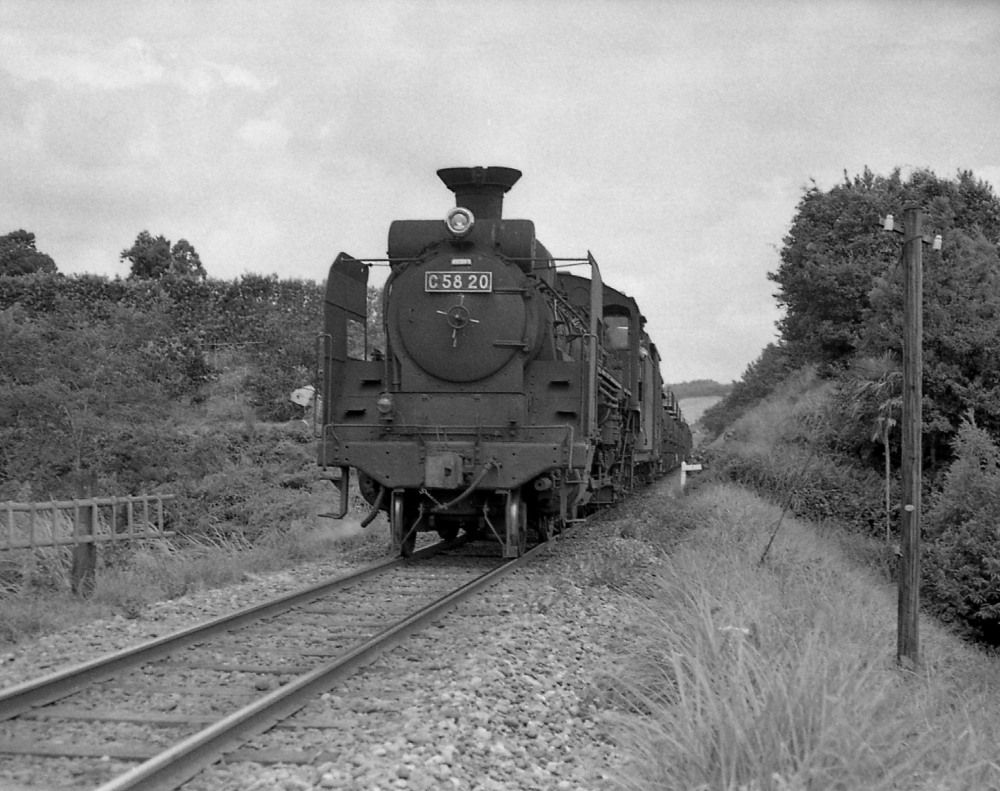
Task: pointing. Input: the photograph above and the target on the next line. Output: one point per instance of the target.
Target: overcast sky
(671, 139)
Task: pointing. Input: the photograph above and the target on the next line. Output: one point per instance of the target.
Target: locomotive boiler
(511, 398)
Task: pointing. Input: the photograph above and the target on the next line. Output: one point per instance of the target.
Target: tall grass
(40, 566)
(781, 676)
(784, 449)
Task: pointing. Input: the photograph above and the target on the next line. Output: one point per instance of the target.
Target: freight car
(512, 397)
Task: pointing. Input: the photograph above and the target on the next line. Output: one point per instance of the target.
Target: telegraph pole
(908, 624)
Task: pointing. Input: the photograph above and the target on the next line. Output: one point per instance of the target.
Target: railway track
(154, 716)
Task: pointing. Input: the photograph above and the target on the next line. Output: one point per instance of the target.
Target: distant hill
(699, 388)
(693, 408)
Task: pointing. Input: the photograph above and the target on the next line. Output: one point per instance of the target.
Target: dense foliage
(69, 384)
(152, 258)
(91, 369)
(19, 256)
(961, 561)
(837, 262)
(840, 284)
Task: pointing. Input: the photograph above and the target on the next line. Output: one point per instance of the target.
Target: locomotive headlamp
(459, 221)
(384, 403)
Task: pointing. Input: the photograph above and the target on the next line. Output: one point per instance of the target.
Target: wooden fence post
(83, 574)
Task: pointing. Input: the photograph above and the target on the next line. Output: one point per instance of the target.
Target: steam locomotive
(511, 398)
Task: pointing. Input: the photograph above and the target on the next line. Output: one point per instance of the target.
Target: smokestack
(480, 190)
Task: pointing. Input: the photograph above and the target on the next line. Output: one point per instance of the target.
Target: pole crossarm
(889, 224)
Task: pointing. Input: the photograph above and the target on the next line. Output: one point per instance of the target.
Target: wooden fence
(39, 527)
(82, 523)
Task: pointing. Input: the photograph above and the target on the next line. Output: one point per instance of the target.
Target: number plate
(458, 282)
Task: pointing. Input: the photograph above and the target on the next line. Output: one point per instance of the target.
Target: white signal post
(685, 469)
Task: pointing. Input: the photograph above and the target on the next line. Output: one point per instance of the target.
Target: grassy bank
(782, 675)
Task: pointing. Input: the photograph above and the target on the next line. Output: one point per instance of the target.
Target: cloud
(71, 62)
(671, 139)
(261, 133)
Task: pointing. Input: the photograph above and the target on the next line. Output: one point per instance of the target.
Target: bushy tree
(836, 253)
(153, 258)
(65, 378)
(829, 260)
(961, 568)
(840, 284)
(19, 256)
(961, 332)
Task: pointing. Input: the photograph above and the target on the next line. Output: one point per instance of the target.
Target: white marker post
(685, 469)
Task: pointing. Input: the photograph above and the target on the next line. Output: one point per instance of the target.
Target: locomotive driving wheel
(516, 524)
(403, 523)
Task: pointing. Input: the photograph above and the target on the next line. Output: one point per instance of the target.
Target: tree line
(150, 258)
(839, 283)
(91, 367)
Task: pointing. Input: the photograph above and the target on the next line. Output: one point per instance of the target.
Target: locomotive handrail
(574, 311)
(322, 374)
(596, 323)
(569, 445)
(571, 261)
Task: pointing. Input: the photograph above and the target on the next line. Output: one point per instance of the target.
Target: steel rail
(187, 758)
(37, 692)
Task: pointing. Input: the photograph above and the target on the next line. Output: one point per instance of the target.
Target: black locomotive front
(509, 398)
(449, 431)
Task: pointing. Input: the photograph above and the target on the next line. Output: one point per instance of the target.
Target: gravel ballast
(500, 694)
